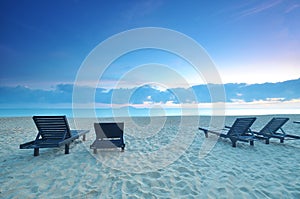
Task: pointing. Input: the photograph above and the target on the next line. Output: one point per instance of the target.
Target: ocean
(137, 112)
(165, 157)
(101, 112)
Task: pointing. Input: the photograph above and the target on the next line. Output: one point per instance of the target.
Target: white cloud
(275, 99)
(260, 8)
(292, 7)
(237, 100)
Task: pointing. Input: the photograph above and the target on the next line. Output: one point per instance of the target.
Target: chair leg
(206, 134)
(122, 149)
(251, 143)
(95, 151)
(83, 137)
(282, 140)
(267, 141)
(36, 152)
(233, 143)
(67, 149)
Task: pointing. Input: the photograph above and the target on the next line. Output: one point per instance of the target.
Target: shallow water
(165, 157)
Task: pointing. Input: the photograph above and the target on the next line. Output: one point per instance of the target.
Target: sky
(44, 43)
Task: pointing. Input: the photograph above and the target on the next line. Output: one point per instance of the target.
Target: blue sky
(43, 43)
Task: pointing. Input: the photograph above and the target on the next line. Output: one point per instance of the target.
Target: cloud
(259, 8)
(148, 95)
(141, 9)
(237, 100)
(263, 107)
(274, 99)
(292, 8)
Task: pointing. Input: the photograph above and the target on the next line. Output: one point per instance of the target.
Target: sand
(156, 163)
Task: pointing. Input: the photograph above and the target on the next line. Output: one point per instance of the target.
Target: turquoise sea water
(100, 112)
(137, 112)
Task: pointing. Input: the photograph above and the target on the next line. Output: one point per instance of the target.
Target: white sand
(262, 171)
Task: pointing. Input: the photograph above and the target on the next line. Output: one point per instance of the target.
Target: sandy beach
(154, 165)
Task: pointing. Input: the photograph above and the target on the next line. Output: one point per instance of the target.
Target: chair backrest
(52, 127)
(241, 126)
(109, 130)
(273, 125)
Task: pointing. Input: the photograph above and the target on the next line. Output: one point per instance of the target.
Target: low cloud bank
(242, 95)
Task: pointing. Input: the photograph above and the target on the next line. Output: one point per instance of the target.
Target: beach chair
(239, 131)
(270, 130)
(53, 131)
(108, 135)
